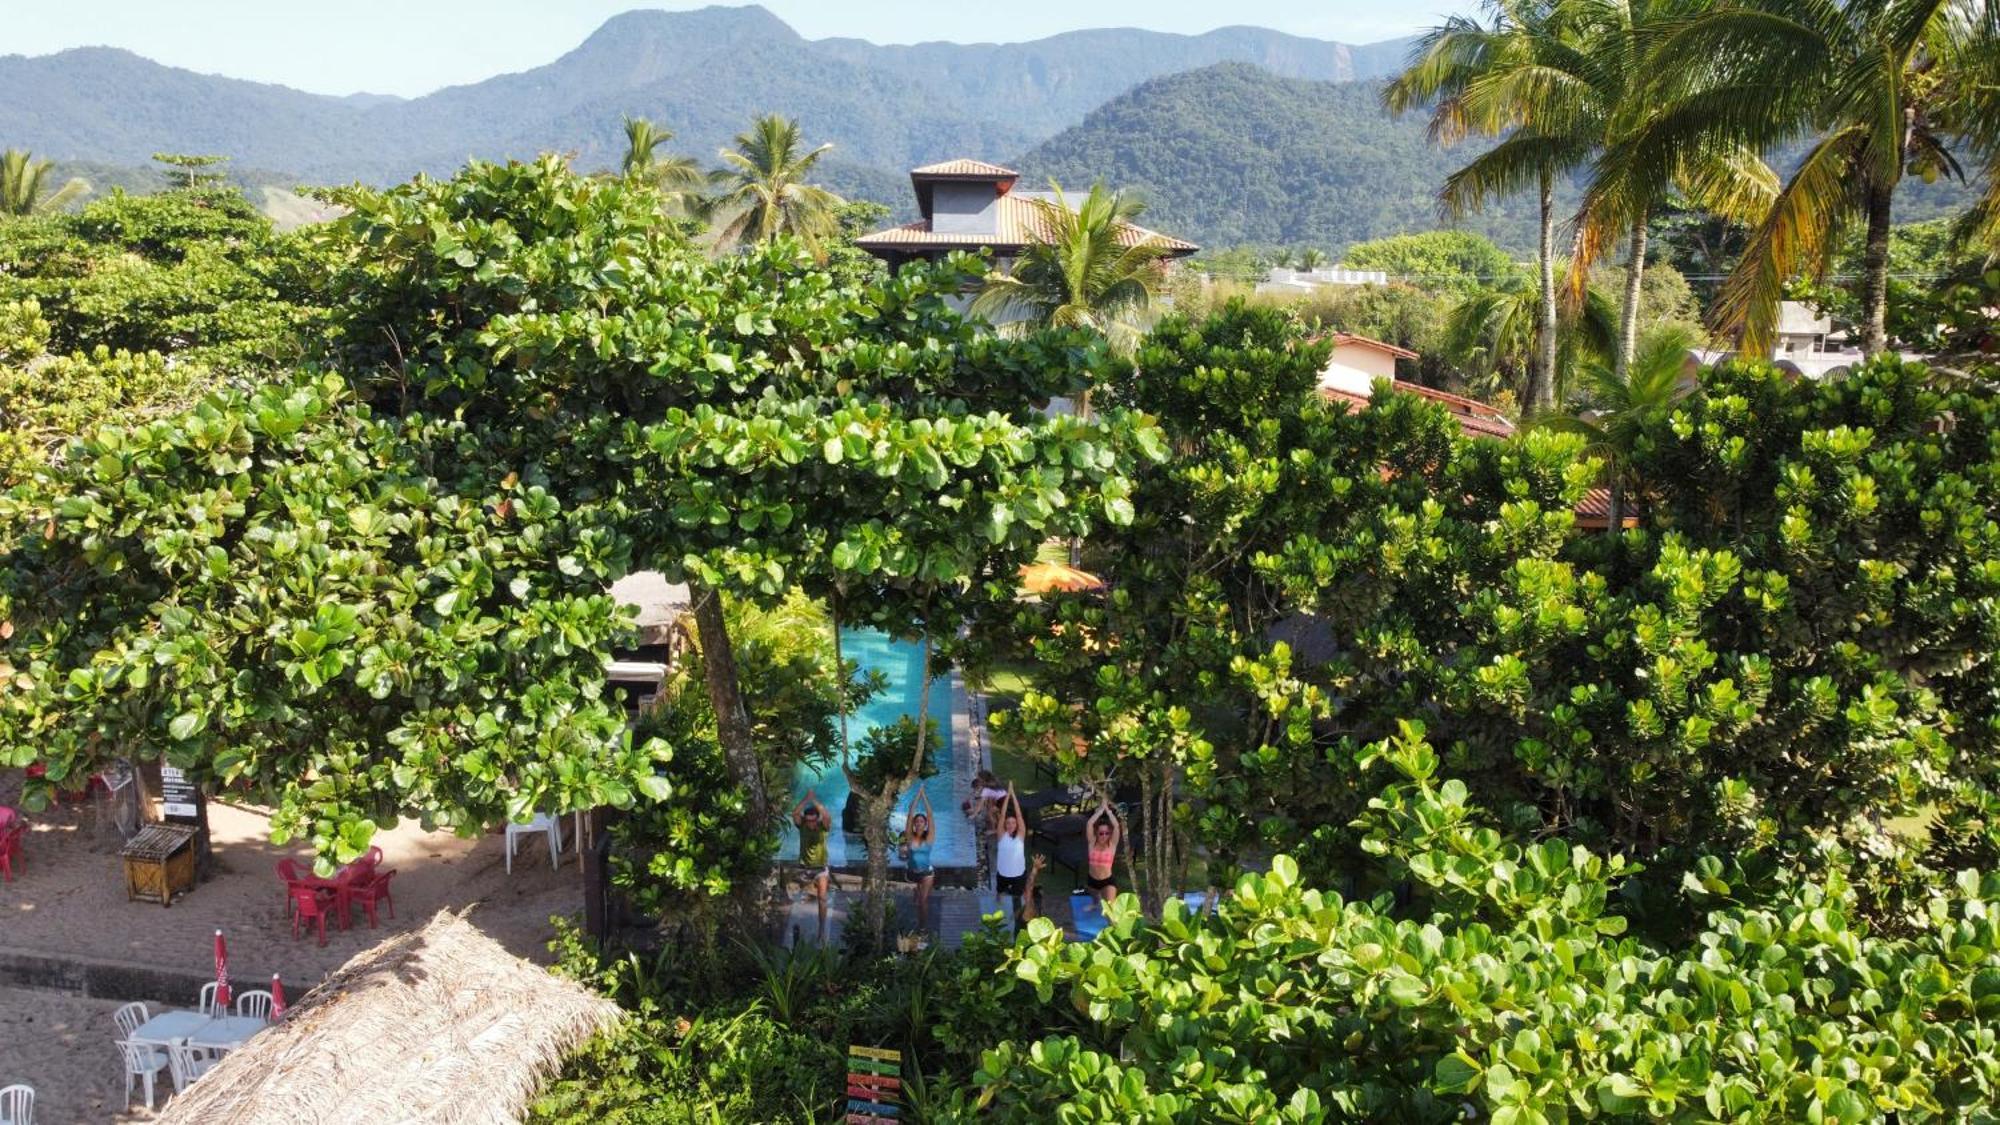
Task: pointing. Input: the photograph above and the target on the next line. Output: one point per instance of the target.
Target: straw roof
(440, 1026)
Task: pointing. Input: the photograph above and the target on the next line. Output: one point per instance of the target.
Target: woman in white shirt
(1010, 850)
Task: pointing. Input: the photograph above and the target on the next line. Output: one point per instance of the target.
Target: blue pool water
(901, 662)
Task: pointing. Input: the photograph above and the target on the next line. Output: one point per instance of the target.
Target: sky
(411, 47)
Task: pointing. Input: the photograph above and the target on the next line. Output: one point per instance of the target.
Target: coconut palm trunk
(1542, 392)
(1875, 271)
(1628, 320)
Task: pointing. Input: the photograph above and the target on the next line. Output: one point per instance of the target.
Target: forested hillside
(1232, 154)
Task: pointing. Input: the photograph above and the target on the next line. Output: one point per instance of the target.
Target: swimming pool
(901, 663)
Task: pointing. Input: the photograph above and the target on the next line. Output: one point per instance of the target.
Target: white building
(1296, 282)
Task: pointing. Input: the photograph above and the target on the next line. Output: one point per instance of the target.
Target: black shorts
(1010, 884)
(1097, 884)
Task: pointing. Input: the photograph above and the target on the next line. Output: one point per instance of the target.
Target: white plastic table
(169, 1027)
(226, 1032)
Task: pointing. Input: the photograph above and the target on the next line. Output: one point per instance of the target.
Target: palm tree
(1494, 335)
(1974, 106)
(1310, 258)
(1504, 76)
(1611, 72)
(22, 184)
(679, 178)
(1870, 81)
(1087, 267)
(1626, 404)
(765, 190)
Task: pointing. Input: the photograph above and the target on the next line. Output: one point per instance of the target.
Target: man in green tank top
(813, 823)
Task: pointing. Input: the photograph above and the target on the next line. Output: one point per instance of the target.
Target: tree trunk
(725, 695)
(1628, 322)
(875, 833)
(1542, 382)
(1617, 510)
(1875, 272)
(875, 829)
(1158, 875)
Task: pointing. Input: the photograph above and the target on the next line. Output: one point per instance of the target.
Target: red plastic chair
(311, 904)
(288, 870)
(368, 888)
(11, 831)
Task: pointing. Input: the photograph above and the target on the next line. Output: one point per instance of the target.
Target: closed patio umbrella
(221, 973)
(277, 998)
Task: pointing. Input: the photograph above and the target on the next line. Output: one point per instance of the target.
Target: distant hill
(703, 74)
(1233, 153)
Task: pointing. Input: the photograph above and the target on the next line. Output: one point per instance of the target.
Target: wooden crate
(159, 863)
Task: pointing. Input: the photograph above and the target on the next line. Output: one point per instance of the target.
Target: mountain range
(702, 73)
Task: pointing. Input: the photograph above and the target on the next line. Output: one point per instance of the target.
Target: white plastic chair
(17, 1105)
(186, 1063)
(542, 822)
(130, 1017)
(255, 1002)
(206, 1005)
(142, 1061)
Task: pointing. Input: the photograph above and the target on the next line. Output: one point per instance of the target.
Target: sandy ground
(61, 1045)
(68, 899)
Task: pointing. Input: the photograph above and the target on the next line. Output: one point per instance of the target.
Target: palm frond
(1802, 225)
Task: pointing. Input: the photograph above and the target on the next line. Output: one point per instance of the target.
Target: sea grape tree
(279, 589)
(539, 387)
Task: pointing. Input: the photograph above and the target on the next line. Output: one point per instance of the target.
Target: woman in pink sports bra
(1103, 832)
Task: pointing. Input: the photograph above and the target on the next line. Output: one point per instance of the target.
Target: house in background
(1358, 361)
(1806, 346)
(1295, 283)
(1800, 330)
(972, 205)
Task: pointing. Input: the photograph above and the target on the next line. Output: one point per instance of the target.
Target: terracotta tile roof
(1017, 221)
(1593, 512)
(1344, 339)
(1475, 418)
(963, 168)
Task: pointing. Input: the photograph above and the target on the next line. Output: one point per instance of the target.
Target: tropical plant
(1872, 83)
(763, 191)
(1626, 407)
(1309, 258)
(1494, 335)
(1085, 267)
(679, 178)
(23, 190)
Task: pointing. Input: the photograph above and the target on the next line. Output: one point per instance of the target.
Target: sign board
(874, 1086)
(179, 800)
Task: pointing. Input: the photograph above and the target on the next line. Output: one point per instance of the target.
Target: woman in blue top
(917, 841)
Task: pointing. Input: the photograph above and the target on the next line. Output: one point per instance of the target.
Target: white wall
(1354, 369)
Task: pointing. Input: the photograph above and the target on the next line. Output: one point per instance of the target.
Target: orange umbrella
(1044, 577)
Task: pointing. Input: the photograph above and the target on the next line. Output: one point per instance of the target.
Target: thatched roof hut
(439, 1026)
